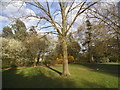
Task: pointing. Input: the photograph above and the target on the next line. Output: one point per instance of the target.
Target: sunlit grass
(112, 63)
(82, 76)
(93, 75)
(32, 72)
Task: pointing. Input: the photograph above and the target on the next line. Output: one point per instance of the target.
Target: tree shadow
(54, 70)
(11, 79)
(37, 78)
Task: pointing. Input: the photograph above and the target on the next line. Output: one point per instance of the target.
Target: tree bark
(38, 58)
(65, 57)
(89, 53)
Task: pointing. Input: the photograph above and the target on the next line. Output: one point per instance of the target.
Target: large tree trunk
(64, 43)
(65, 57)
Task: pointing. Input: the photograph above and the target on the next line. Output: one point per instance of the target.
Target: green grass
(112, 63)
(82, 76)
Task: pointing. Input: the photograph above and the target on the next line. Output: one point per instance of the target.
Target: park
(60, 44)
(82, 76)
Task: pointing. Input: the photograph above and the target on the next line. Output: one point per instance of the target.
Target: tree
(84, 37)
(106, 50)
(19, 29)
(100, 42)
(107, 14)
(65, 9)
(37, 46)
(88, 41)
(13, 52)
(113, 50)
(7, 32)
(73, 48)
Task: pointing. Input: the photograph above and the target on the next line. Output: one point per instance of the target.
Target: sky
(10, 10)
(18, 9)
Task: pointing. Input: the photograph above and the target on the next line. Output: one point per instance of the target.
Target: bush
(114, 57)
(53, 62)
(81, 59)
(59, 60)
(70, 59)
(46, 62)
(104, 60)
(13, 52)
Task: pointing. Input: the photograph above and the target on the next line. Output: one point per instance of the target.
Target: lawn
(82, 76)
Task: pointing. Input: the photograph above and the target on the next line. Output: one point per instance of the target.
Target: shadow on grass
(11, 79)
(104, 68)
(39, 77)
(54, 70)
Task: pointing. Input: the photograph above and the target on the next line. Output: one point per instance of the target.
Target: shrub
(70, 59)
(114, 57)
(104, 60)
(82, 58)
(46, 62)
(13, 52)
(59, 60)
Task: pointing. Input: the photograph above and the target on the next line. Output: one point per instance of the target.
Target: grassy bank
(82, 76)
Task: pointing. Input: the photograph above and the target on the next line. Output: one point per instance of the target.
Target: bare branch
(48, 14)
(78, 5)
(87, 8)
(69, 8)
(75, 17)
(106, 23)
(78, 13)
(48, 6)
(106, 17)
(114, 14)
(46, 27)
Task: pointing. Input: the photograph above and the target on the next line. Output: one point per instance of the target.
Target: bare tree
(108, 13)
(64, 9)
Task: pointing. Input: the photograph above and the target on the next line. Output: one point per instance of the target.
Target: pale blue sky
(14, 12)
(11, 10)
